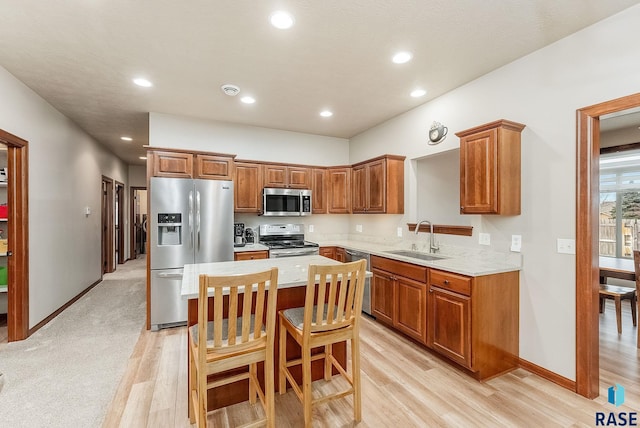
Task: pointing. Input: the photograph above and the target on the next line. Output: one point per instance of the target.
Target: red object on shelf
(3, 211)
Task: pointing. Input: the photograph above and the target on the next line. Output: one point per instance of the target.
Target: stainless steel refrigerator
(191, 222)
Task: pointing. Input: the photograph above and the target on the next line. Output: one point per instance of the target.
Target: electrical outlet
(516, 243)
(566, 246)
(311, 228)
(484, 239)
(399, 232)
(358, 228)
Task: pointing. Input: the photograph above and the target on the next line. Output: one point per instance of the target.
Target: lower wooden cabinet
(251, 255)
(399, 296)
(329, 252)
(341, 255)
(450, 325)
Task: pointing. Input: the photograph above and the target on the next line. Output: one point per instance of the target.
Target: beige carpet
(66, 373)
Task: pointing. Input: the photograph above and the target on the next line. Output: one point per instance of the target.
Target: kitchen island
(292, 281)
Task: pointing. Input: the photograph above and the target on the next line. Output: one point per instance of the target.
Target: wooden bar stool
(618, 294)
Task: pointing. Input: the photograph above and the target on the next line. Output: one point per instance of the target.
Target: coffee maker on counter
(238, 235)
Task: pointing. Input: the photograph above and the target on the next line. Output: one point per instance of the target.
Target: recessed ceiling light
(417, 93)
(140, 81)
(126, 138)
(402, 57)
(248, 100)
(326, 113)
(143, 157)
(282, 19)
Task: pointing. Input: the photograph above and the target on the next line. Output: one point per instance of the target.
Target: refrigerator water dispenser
(169, 229)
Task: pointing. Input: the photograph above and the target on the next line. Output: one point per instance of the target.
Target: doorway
(107, 225)
(137, 221)
(16, 231)
(119, 224)
(587, 233)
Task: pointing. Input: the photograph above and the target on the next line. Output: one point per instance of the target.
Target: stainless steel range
(286, 240)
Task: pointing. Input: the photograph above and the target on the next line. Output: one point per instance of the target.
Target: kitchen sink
(416, 255)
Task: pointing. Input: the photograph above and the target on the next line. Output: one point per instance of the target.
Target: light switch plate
(358, 228)
(484, 239)
(566, 246)
(311, 228)
(516, 243)
(399, 232)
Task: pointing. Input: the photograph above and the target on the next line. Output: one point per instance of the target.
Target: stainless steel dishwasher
(353, 256)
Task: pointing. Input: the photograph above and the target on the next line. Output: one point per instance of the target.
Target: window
(619, 203)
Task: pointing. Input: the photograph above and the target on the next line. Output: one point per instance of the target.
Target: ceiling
(81, 56)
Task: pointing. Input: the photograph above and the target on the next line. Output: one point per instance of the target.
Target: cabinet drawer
(408, 270)
(450, 281)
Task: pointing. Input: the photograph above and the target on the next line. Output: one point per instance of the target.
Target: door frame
(133, 254)
(106, 192)
(119, 215)
(18, 236)
(587, 221)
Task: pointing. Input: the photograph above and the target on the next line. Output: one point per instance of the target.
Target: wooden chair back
(241, 320)
(334, 296)
(636, 267)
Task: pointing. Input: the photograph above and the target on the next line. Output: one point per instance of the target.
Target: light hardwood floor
(403, 384)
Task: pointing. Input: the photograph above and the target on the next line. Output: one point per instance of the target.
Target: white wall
(65, 175)
(248, 142)
(137, 175)
(543, 91)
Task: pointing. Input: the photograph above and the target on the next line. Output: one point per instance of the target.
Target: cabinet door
(339, 190)
(359, 189)
(275, 175)
(298, 178)
(172, 164)
(411, 315)
(450, 325)
(248, 188)
(251, 255)
(214, 167)
(478, 173)
(341, 255)
(376, 187)
(319, 192)
(382, 296)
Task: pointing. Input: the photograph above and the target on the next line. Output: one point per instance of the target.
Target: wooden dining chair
(241, 334)
(618, 294)
(331, 314)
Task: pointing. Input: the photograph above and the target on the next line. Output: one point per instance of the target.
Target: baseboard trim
(62, 308)
(548, 375)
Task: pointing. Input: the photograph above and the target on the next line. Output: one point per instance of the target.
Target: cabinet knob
(446, 281)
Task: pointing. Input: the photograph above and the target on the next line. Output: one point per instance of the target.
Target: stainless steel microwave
(286, 202)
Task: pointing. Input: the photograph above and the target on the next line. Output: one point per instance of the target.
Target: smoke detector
(231, 90)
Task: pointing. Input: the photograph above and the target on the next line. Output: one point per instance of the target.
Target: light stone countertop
(292, 271)
(470, 262)
(250, 247)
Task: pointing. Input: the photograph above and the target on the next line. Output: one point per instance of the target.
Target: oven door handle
(292, 254)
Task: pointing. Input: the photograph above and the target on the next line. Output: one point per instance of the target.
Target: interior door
(107, 225)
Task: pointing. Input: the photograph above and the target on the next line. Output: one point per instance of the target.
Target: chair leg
(619, 313)
(282, 359)
(306, 386)
(192, 384)
(202, 400)
(634, 307)
(328, 367)
(601, 301)
(253, 372)
(269, 387)
(355, 375)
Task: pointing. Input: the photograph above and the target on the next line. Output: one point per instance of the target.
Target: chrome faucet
(433, 247)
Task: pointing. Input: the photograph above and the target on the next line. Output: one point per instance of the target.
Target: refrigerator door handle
(198, 217)
(191, 219)
(170, 275)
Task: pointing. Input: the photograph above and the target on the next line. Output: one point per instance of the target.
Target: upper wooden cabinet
(490, 168)
(180, 164)
(378, 186)
(339, 190)
(293, 177)
(319, 193)
(213, 167)
(171, 164)
(248, 187)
